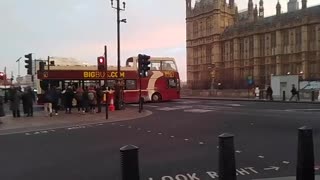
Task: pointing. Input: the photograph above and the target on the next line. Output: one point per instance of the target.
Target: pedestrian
(257, 92)
(99, 93)
(92, 96)
(15, 99)
(2, 114)
(79, 99)
(270, 93)
(48, 102)
(55, 99)
(68, 95)
(85, 99)
(30, 99)
(294, 93)
(24, 102)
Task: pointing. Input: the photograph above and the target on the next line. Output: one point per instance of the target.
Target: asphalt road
(178, 142)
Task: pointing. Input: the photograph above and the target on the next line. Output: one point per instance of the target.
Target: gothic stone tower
(205, 22)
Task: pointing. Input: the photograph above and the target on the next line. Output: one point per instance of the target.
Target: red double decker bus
(161, 84)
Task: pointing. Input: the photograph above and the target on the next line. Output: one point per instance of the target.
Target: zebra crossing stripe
(197, 110)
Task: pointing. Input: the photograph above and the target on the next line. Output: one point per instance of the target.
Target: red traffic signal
(101, 63)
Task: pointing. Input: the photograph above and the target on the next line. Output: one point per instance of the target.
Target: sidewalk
(41, 121)
(248, 99)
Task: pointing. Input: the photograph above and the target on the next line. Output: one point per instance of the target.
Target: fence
(227, 162)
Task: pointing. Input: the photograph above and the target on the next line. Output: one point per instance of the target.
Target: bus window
(155, 65)
(131, 84)
(111, 83)
(172, 83)
(168, 66)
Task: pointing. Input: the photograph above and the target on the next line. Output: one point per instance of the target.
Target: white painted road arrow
(272, 168)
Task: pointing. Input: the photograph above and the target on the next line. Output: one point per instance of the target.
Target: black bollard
(305, 163)
(283, 96)
(129, 162)
(141, 101)
(312, 96)
(227, 162)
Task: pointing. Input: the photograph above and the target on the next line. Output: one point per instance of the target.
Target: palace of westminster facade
(228, 47)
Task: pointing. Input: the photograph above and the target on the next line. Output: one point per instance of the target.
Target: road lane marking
(285, 162)
(167, 109)
(238, 151)
(261, 157)
(272, 168)
(159, 133)
(197, 110)
(172, 136)
(201, 143)
(186, 139)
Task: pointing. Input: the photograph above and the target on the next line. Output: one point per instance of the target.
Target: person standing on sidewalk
(29, 100)
(2, 96)
(15, 99)
(99, 93)
(55, 99)
(92, 96)
(69, 95)
(48, 103)
(269, 93)
(79, 99)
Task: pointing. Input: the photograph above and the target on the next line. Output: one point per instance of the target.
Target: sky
(80, 29)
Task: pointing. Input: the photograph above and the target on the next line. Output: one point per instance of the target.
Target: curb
(251, 100)
(69, 124)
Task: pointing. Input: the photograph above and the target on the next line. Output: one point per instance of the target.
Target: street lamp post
(119, 98)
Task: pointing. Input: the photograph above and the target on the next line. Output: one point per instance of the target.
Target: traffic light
(101, 63)
(2, 76)
(28, 62)
(143, 65)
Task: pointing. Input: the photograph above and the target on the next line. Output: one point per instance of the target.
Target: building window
(273, 40)
(241, 49)
(201, 28)
(209, 26)
(262, 45)
(195, 29)
(251, 47)
(208, 53)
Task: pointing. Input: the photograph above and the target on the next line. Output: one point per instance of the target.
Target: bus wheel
(156, 97)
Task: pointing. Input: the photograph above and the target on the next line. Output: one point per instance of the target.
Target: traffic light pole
(118, 85)
(106, 81)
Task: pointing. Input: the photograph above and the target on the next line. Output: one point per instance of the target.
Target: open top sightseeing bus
(161, 84)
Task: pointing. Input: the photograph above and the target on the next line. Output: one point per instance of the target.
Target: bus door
(173, 88)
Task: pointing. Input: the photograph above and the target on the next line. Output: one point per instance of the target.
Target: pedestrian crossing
(190, 106)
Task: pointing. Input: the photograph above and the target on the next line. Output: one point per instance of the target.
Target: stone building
(241, 49)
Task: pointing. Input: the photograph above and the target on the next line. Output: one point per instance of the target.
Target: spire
(188, 7)
(255, 13)
(250, 10)
(278, 7)
(261, 9)
(293, 5)
(304, 4)
(231, 3)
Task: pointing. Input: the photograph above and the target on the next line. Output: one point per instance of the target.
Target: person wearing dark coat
(24, 102)
(269, 93)
(68, 95)
(30, 98)
(85, 99)
(1, 106)
(15, 98)
(55, 99)
(99, 93)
